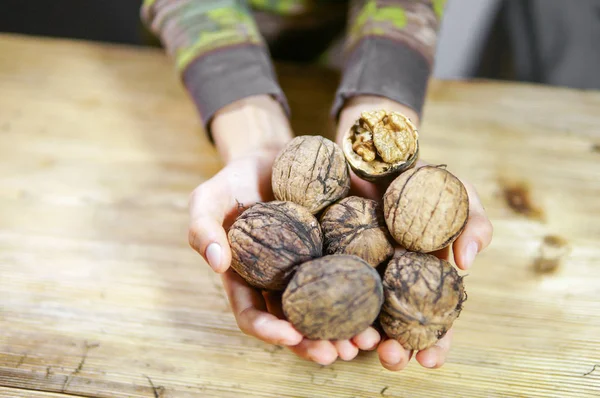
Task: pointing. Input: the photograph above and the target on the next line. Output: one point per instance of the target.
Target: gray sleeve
(228, 75)
(390, 48)
(379, 66)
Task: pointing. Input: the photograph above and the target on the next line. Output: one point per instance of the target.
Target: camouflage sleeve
(390, 48)
(217, 48)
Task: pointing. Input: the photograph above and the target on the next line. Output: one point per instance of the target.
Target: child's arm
(390, 49)
(218, 50)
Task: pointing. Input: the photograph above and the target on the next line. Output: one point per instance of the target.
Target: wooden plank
(101, 296)
(17, 393)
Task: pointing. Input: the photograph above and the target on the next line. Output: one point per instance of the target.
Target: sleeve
(389, 49)
(218, 51)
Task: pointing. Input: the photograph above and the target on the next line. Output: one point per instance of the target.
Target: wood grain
(102, 297)
(18, 392)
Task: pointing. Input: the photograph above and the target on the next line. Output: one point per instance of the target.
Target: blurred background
(543, 41)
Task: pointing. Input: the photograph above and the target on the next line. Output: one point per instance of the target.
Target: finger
(316, 351)
(434, 357)
(392, 355)
(346, 350)
(320, 351)
(249, 309)
(444, 253)
(208, 204)
(273, 301)
(477, 234)
(365, 189)
(367, 340)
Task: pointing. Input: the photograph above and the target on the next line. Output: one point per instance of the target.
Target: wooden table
(102, 297)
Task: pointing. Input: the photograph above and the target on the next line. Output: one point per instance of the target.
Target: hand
(476, 236)
(214, 205)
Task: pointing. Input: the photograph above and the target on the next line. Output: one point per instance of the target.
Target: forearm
(218, 51)
(251, 125)
(389, 52)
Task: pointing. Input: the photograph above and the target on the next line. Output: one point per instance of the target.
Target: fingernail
(471, 252)
(393, 363)
(429, 362)
(321, 361)
(389, 364)
(213, 255)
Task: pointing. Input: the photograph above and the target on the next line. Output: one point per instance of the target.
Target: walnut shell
(333, 297)
(270, 240)
(356, 226)
(311, 171)
(423, 297)
(381, 145)
(426, 209)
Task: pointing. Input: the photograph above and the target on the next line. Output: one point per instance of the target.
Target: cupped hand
(475, 237)
(214, 205)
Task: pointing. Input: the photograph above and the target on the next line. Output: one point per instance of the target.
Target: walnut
(311, 171)
(356, 226)
(381, 145)
(423, 297)
(333, 298)
(270, 240)
(426, 209)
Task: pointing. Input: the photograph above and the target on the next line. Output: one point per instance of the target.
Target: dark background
(118, 21)
(113, 21)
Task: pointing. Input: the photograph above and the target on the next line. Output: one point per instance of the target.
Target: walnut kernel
(381, 144)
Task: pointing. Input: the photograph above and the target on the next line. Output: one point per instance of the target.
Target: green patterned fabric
(284, 7)
(414, 23)
(190, 29)
(222, 56)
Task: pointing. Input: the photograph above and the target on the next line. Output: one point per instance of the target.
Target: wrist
(353, 108)
(250, 125)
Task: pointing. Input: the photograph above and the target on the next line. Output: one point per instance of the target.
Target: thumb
(477, 234)
(206, 233)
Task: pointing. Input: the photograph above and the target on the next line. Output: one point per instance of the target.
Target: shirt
(222, 53)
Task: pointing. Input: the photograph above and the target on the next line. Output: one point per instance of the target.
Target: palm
(245, 181)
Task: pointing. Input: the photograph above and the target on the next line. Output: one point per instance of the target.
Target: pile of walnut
(324, 249)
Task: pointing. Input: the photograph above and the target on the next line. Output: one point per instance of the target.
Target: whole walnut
(381, 145)
(333, 297)
(270, 240)
(356, 226)
(423, 297)
(426, 208)
(311, 171)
